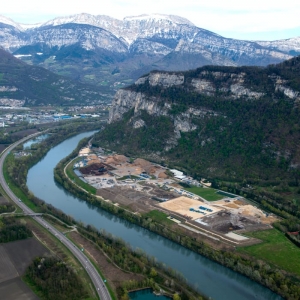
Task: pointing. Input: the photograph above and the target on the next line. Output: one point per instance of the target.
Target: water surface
(146, 294)
(209, 277)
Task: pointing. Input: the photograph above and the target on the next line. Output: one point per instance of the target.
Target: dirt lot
(128, 197)
(94, 169)
(139, 199)
(153, 190)
(182, 205)
(16, 289)
(246, 210)
(223, 222)
(113, 274)
(123, 167)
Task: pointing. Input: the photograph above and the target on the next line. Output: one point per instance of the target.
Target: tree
(153, 272)
(176, 297)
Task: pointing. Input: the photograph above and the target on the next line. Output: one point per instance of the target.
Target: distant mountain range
(25, 85)
(112, 53)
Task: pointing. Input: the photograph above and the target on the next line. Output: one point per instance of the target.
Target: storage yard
(193, 209)
(141, 187)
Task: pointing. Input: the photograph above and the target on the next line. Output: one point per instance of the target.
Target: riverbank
(42, 189)
(243, 264)
(40, 205)
(189, 266)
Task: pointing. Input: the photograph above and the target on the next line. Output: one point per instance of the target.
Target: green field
(206, 193)
(159, 217)
(276, 249)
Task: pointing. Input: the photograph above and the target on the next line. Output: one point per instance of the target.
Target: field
(7, 270)
(128, 198)
(21, 253)
(276, 249)
(14, 259)
(16, 289)
(159, 217)
(206, 193)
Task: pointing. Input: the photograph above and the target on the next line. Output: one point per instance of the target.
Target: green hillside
(242, 142)
(37, 86)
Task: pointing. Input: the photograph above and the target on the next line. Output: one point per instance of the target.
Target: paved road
(90, 269)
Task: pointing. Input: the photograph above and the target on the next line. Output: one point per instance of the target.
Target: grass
(206, 193)
(159, 217)
(275, 249)
(14, 188)
(77, 180)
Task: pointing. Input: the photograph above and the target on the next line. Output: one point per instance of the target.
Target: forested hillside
(22, 84)
(238, 125)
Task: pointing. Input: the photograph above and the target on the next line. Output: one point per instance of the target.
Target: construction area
(190, 208)
(141, 187)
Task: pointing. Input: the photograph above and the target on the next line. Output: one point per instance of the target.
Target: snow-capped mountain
(130, 47)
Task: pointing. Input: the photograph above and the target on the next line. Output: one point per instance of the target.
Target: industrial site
(142, 186)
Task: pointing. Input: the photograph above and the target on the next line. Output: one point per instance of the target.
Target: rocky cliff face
(160, 93)
(232, 87)
(220, 122)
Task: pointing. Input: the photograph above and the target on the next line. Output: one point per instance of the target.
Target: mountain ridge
(119, 51)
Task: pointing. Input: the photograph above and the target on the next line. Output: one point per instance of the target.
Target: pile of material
(116, 159)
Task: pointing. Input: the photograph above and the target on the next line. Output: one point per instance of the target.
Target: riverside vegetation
(278, 280)
(246, 144)
(262, 272)
(155, 274)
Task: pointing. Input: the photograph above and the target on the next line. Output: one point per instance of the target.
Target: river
(209, 277)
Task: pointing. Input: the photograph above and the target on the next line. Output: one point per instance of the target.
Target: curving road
(85, 262)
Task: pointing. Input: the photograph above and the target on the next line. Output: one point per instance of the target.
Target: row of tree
(261, 272)
(270, 276)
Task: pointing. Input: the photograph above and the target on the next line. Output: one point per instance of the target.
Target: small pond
(40, 138)
(146, 294)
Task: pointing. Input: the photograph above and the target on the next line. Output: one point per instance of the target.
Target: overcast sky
(255, 19)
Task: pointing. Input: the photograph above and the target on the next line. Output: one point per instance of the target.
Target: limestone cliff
(186, 98)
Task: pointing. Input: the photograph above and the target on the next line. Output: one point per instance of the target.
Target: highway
(85, 262)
